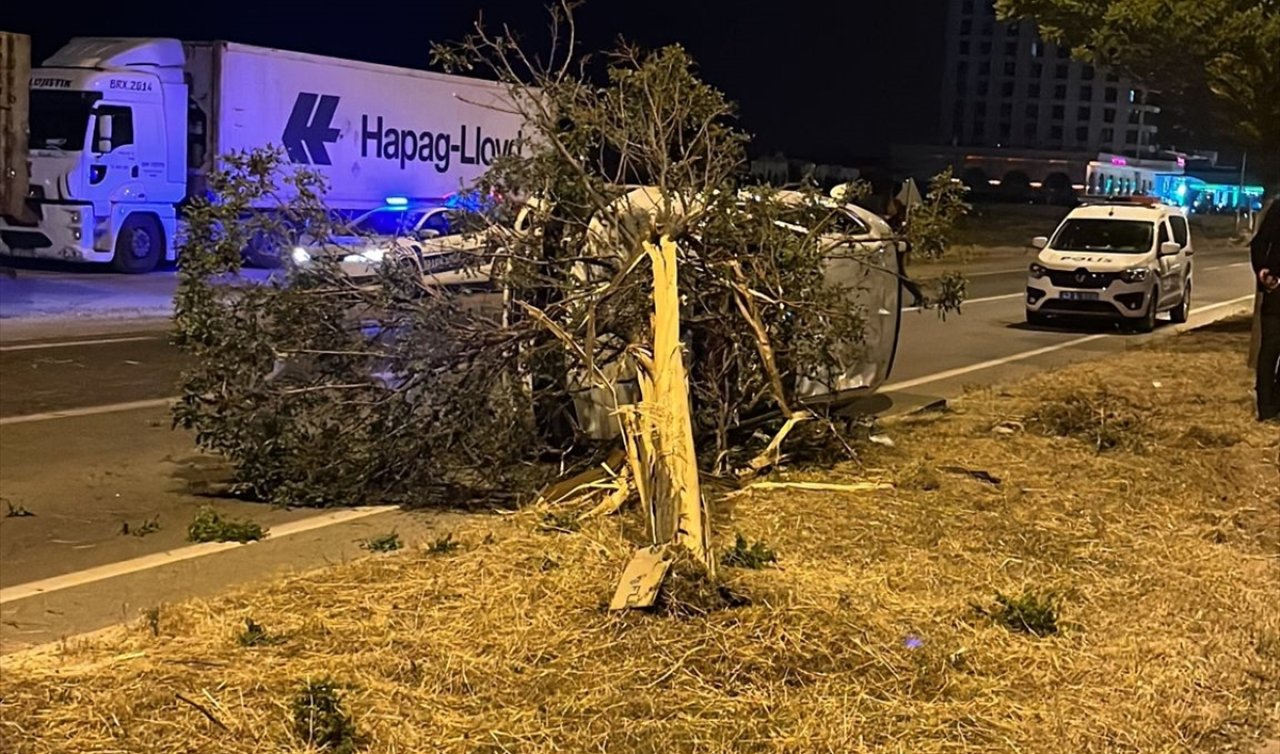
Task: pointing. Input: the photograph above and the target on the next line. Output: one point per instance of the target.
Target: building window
(984, 87)
(1037, 70)
(964, 47)
(1109, 115)
(1131, 137)
(1108, 135)
(980, 109)
(1133, 96)
(1060, 91)
(1011, 48)
(1029, 132)
(1112, 77)
(967, 6)
(1083, 113)
(1005, 131)
(966, 26)
(1061, 71)
(1086, 93)
(1006, 89)
(1110, 94)
(1033, 91)
(1032, 112)
(1037, 48)
(979, 126)
(1010, 67)
(1006, 110)
(985, 68)
(1055, 133)
(1086, 73)
(1063, 53)
(984, 48)
(1135, 116)
(1059, 112)
(1082, 134)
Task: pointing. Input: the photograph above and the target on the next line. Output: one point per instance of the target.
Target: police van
(1124, 259)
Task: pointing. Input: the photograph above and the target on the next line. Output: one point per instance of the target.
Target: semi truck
(124, 131)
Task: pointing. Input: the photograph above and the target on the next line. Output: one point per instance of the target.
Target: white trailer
(123, 130)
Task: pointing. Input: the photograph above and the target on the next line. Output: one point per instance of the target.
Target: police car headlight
(1037, 271)
(1135, 274)
(300, 256)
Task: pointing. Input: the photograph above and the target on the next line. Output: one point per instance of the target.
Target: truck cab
(108, 146)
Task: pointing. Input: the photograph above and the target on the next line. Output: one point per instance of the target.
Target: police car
(1114, 258)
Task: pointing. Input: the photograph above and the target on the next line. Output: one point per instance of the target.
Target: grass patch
(150, 526)
(444, 545)
(1096, 415)
(1200, 436)
(564, 522)
(255, 634)
(755, 555)
(1030, 612)
(389, 542)
(210, 526)
(320, 719)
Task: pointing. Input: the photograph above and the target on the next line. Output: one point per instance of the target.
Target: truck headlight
(1037, 271)
(300, 256)
(1135, 274)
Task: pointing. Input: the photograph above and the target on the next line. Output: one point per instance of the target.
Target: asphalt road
(86, 446)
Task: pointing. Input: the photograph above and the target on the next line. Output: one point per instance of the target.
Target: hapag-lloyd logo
(433, 147)
(310, 128)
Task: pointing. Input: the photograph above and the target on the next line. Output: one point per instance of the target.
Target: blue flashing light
(397, 201)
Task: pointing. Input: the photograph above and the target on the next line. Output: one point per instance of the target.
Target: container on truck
(124, 130)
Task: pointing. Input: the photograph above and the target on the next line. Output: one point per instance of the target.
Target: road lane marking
(74, 343)
(959, 371)
(1001, 297)
(69, 413)
(147, 562)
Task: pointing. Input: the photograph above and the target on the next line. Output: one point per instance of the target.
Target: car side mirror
(1169, 248)
(1040, 242)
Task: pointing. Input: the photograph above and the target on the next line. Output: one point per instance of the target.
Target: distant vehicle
(123, 130)
(425, 238)
(1121, 259)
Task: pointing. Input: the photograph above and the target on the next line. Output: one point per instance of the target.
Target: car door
(114, 158)
(1169, 267)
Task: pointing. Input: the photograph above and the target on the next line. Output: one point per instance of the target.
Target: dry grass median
(1085, 562)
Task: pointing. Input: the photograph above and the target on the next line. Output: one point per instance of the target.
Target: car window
(1164, 234)
(1112, 236)
(1181, 233)
(385, 221)
(438, 221)
(845, 224)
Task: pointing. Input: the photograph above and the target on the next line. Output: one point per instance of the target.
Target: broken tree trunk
(662, 429)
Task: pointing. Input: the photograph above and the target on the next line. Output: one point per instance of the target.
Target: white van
(1124, 259)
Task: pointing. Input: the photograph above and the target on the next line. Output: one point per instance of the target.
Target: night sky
(822, 79)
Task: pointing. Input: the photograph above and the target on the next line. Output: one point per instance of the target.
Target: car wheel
(139, 245)
(1182, 311)
(264, 252)
(1148, 321)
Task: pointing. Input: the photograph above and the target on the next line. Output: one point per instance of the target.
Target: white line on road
(959, 371)
(69, 413)
(74, 343)
(147, 562)
(1001, 297)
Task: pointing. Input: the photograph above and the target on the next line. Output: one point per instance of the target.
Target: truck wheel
(139, 245)
(1182, 311)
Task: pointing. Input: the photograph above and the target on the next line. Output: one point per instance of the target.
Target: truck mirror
(1040, 242)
